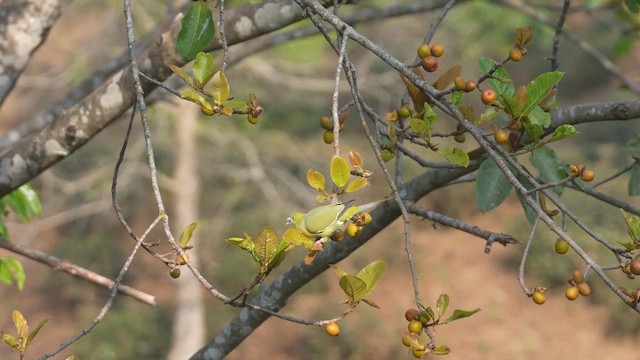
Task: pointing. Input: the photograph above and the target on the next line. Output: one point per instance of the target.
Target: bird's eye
(289, 219)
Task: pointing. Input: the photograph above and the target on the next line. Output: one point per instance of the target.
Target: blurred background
(251, 176)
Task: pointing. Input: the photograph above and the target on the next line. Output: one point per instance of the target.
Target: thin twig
(524, 259)
(555, 62)
(223, 37)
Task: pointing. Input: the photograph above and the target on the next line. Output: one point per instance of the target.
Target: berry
(501, 136)
(459, 83)
(325, 122)
(352, 230)
(575, 169)
(459, 138)
(562, 246)
(470, 86)
(430, 63)
(488, 96)
(404, 112)
(572, 293)
(366, 218)
(252, 119)
(538, 297)
(437, 50)
(406, 341)
(411, 314)
(584, 289)
(418, 353)
(423, 51)
(328, 137)
(634, 266)
(415, 326)
(515, 55)
(577, 277)
(332, 329)
(175, 273)
(588, 175)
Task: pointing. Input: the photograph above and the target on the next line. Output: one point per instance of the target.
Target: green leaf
(294, 236)
(10, 268)
(393, 137)
(4, 232)
(455, 156)
(219, 88)
(456, 97)
(563, 132)
(552, 169)
(198, 29)
(421, 128)
(183, 75)
(10, 340)
(501, 83)
(459, 314)
(265, 245)
(316, 180)
(623, 45)
(492, 186)
(539, 88)
(243, 243)
(534, 131)
(339, 271)
(634, 180)
(630, 246)
(185, 237)
(35, 331)
(429, 115)
(442, 304)
(356, 184)
(203, 68)
(387, 155)
(488, 115)
(539, 117)
(633, 225)
(282, 250)
(195, 97)
(22, 328)
(633, 148)
(441, 350)
(339, 170)
(371, 274)
(353, 287)
(24, 202)
(633, 5)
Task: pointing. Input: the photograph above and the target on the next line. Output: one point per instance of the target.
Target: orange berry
(634, 266)
(430, 63)
(488, 96)
(501, 136)
(577, 277)
(332, 329)
(572, 293)
(584, 289)
(437, 50)
(588, 175)
(515, 55)
(470, 86)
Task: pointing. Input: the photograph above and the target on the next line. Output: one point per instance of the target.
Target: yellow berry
(572, 293)
(332, 329)
(561, 246)
(459, 83)
(423, 51)
(404, 112)
(252, 119)
(418, 353)
(366, 218)
(501, 136)
(352, 230)
(415, 326)
(327, 137)
(538, 297)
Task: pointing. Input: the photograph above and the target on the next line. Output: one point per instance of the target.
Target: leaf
(243, 243)
(183, 75)
(24, 202)
(539, 117)
(10, 340)
(265, 245)
(492, 186)
(415, 340)
(356, 184)
(634, 180)
(371, 274)
(339, 170)
(563, 132)
(623, 45)
(501, 83)
(418, 98)
(633, 148)
(35, 331)
(633, 225)
(195, 97)
(281, 253)
(523, 36)
(488, 115)
(10, 268)
(456, 97)
(371, 303)
(185, 237)
(22, 328)
(339, 271)
(429, 116)
(420, 128)
(387, 155)
(468, 112)
(633, 5)
(198, 29)
(552, 169)
(442, 304)
(441, 350)
(539, 87)
(447, 77)
(534, 131)
(294, 236)
(356, 160)
(393, 138)
(353, 287)
(203, 68)
(315, 179)
(460, 314)
(219, 88)
(455, 156)
(630, 246)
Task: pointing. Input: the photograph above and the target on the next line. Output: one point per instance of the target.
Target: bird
(323, 221)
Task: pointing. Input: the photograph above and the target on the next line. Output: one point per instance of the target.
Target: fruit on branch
(404, 112)
(175, 273)
(406, 341)
(584, 289)
(411, 314)
(415, 326)
(501, 136)
(588, 175)
(424, 50)
(252, 119)
(325, 122)
(327, 137)
(634, 266)
(538, 297)
(460, 138)
(430, 63)
(488, 96)
(515, 55)
(576, 169)
(459, 83)
(562, 246)
(437, 50)
(332, 329)
(470, 86)
(577, 277)
(352, 230)
(418, 353)
(572, 293)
